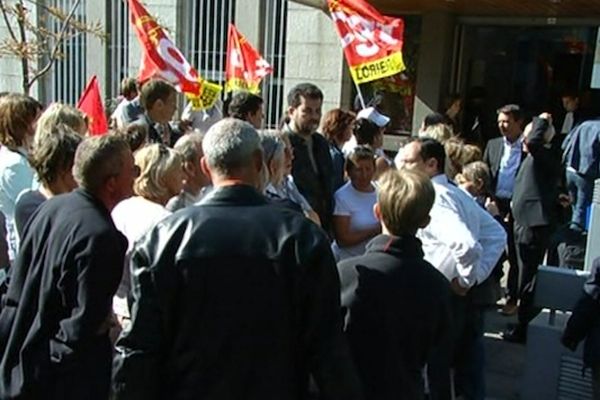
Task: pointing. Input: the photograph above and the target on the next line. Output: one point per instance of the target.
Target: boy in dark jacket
(396, 305)
(585, 324)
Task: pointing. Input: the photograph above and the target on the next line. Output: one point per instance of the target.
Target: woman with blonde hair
(475, 179)
(160, 178)
(279, 185)
(61, 114)
(459, 154)
(59, 130)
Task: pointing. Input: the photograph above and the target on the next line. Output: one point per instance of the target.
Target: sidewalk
(504, 361)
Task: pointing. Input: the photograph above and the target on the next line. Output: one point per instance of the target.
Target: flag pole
(360, 96)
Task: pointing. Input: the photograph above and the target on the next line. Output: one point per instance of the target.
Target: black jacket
(585, 320)
(234, 299)
(59, 297)
(316, 187)
(397, 311)
(492, 156)
(536, 185)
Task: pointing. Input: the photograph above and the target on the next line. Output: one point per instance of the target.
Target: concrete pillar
(250, 21)
(314, 54)
(434, 65)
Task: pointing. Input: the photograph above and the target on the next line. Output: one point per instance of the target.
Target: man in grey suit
(504, 156)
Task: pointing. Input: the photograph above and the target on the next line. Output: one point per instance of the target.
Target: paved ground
(505, 362)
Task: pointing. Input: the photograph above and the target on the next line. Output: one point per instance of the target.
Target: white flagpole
(360, 96)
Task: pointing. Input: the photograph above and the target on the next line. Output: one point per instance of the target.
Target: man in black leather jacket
(234, 298)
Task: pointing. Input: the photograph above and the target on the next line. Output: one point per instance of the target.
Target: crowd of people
(209, 258)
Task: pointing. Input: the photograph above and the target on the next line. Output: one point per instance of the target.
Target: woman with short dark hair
(337, 128)
(354, 222)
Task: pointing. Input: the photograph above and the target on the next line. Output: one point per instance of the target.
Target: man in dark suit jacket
(56, 315)
(312, 167)
(504, 156)
(534, 212)
(159, 100)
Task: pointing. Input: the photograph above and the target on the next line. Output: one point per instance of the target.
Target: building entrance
(528, 65)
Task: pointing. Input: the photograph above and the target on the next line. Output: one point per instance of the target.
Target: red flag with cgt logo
(245, 66)
(372, 42)
(162, 59)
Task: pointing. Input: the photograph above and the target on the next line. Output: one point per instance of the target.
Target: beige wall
(10, 67)
(314, 54)
(435, 58)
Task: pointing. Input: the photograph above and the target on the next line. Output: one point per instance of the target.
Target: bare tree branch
(94, 28)
(320, 4)
(21, 18)
(4, 10)
(57, 44)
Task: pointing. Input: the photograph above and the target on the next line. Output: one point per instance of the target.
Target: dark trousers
(512, 283)
(464, 353)
(469, 353)
(531, 244)
(89, 378)
(581, 190)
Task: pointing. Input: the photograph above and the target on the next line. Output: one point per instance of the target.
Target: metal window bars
(68, 77)
(118, 45)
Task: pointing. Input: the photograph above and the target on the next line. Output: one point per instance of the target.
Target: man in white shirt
(464, 242)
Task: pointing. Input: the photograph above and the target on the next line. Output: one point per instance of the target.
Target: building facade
(526, 52)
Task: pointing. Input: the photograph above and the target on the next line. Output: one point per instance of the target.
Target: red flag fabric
(160, 56)
(372, 42)
(245, 67)
(90, 103)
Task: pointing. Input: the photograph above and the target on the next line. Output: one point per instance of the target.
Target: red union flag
(162, 59)
(372, 42)
(245, 66)
(90, 103)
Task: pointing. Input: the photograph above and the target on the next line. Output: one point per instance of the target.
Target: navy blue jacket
(581, 149)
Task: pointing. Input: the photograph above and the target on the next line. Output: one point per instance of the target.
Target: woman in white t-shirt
(161, 177)
(354, 222)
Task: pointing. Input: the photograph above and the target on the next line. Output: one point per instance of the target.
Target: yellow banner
(208, 97)
(240, 84)
(373, 70)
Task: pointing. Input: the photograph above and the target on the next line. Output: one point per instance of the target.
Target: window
(68, 76)
(118, 45)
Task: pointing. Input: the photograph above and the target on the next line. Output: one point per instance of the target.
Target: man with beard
(312, 167)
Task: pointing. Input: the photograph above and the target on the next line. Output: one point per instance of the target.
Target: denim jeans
(580, 190)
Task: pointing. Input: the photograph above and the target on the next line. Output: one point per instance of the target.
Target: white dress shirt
(133, 217)
(509, 165)
(462, 240)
